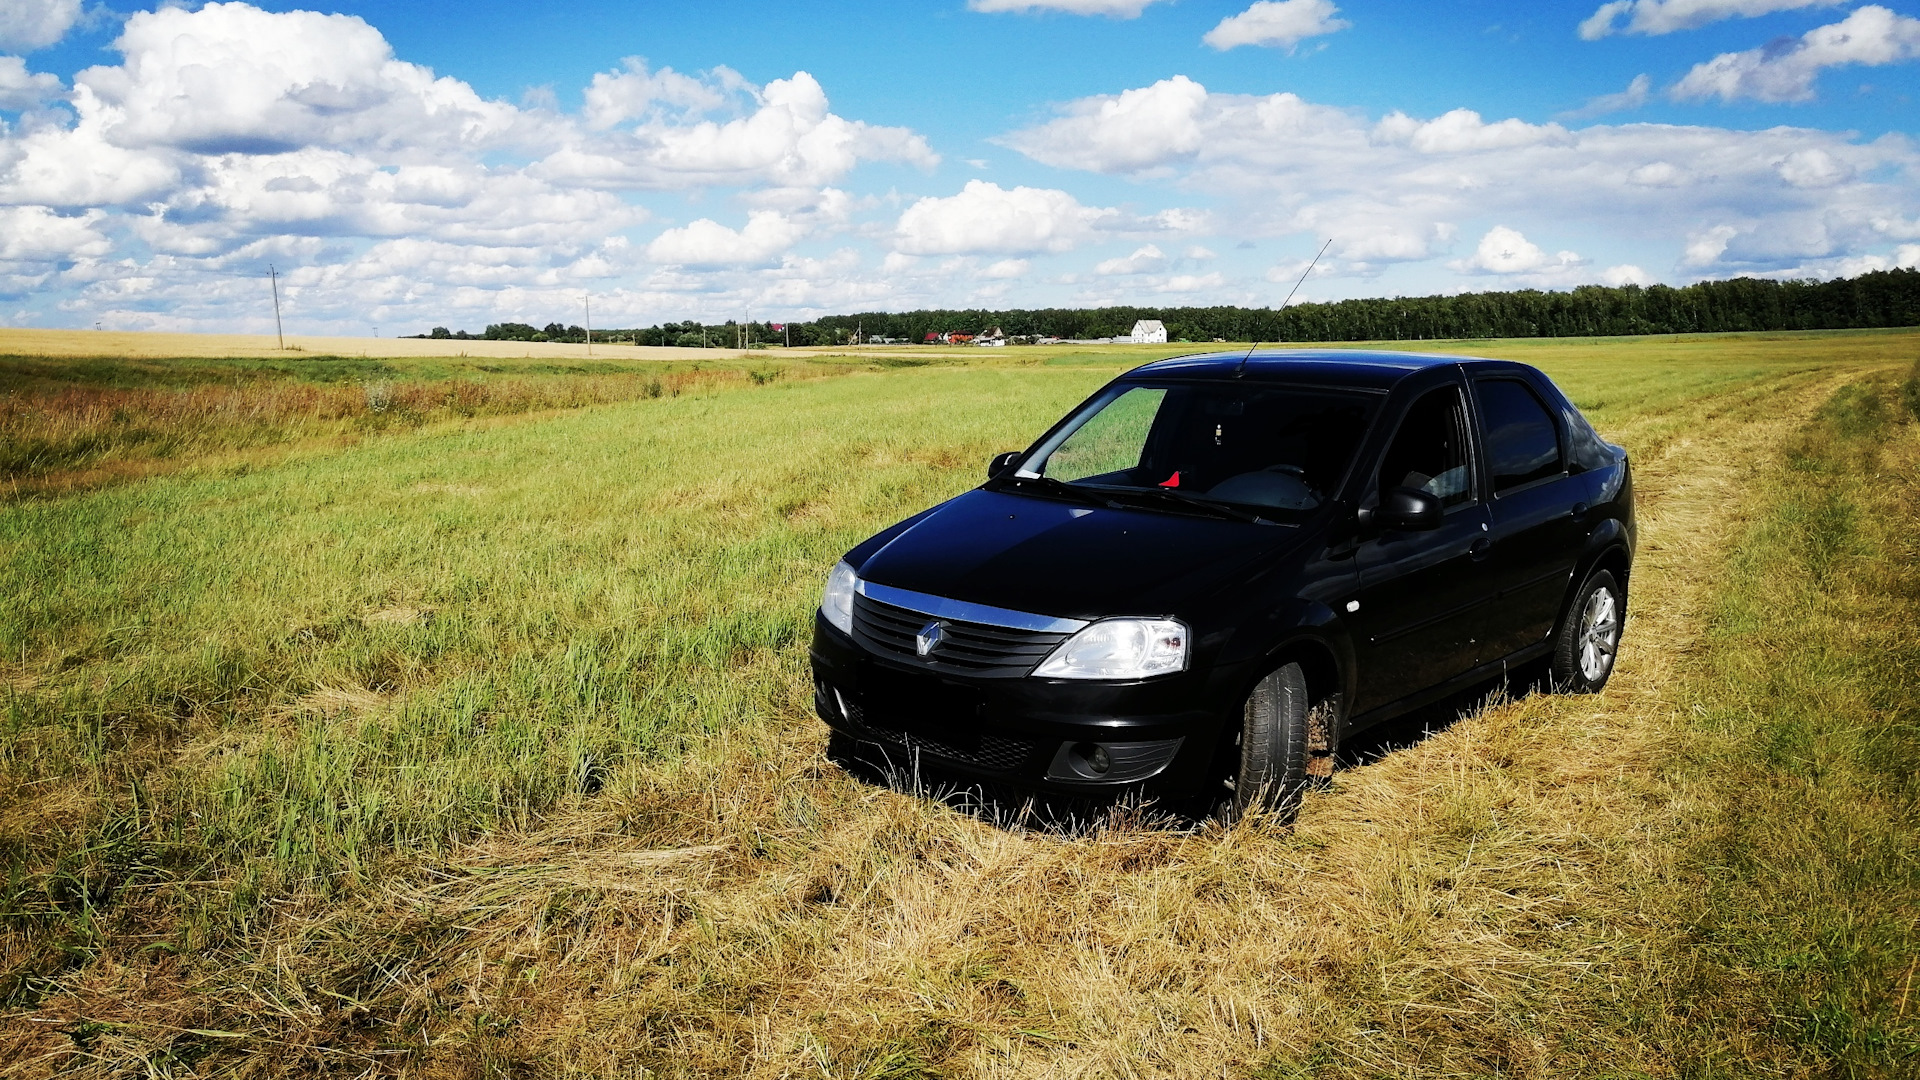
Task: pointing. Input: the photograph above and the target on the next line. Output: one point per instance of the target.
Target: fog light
(1097, 758)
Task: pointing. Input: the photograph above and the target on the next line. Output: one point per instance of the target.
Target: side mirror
(1406, 508)
(1002, 462)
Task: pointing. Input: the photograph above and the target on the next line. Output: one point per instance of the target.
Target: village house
(1149, 332)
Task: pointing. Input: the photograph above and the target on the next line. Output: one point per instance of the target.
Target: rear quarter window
(1523, 444)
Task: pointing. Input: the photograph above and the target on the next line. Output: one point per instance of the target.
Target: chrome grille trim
(940, 607)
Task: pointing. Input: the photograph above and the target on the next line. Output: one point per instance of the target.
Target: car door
(1419, 591)
(1537, 512)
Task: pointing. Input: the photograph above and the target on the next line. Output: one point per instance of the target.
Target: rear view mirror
(1407, 508)
(1002, 462)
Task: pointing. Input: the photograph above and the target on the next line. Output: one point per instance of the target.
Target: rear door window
(1523, 444)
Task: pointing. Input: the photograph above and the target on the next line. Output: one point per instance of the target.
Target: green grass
(295, 680)
(1806, 920)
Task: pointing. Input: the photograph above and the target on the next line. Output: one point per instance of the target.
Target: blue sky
(411, 165)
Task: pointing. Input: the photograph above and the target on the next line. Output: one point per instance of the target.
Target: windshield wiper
(1071, 491)
(1198, 502)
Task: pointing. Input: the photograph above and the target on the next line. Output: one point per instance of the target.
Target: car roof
(1365, 368)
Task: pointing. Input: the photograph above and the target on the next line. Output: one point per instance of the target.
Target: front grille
(967, 648)
(999, 752)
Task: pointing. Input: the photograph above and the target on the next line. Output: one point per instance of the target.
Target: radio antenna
(1242, 369)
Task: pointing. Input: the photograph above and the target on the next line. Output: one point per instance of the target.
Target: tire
(1284, 746)
(1587, 641)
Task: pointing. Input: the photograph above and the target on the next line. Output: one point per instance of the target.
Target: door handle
(1580, 511)
(1479, 548)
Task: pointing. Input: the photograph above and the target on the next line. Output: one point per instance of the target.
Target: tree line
(1881, 298)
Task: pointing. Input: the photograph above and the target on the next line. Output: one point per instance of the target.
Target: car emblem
(929, 638)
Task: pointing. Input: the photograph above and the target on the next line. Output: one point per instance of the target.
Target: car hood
(1068, 560)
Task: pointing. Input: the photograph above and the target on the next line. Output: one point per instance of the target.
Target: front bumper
(1158, 737)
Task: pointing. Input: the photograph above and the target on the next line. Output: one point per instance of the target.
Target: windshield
(1260, 446)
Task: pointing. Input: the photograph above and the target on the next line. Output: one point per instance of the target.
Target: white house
(1149, 332)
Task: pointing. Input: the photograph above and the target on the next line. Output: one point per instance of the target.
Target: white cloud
(1393, 190)
(1667, 16)
(791, 138)
(21, 89)
(1871, 36)
(231, 78)
(1005, 268)
(1705, 248)
(705, 242)
(1657, 174)
(1625, 274)
(229, 135)
(1505, 251)
(36, 24)
(1113, 9)
(1277, 24)
(1633, 97)
(1463, 129)
(1135, 129)
(1146, 260)
(1198, 253)
(984, 217)
(37, 234)
(1193, 283)
(634, 92)
(1813, 169)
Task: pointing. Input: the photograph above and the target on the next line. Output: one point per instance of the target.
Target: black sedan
(1199, 581)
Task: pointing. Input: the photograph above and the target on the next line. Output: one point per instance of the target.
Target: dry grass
(117, 343)
(1471, 905)
(71, 437)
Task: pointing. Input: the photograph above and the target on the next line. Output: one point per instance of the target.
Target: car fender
(1311, 623)
(1608, 537)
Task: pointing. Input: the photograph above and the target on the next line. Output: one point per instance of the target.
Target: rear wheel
(1285, 745)
(1588, 638)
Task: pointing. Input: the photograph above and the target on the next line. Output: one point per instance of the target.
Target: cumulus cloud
(231, 78)
(791, 137)
(1705, 247)
(1005, 268)
(1785, 71)
(36, 24)
(1135, 129)
(705, 242)
(1395, 190)
(634, 92)
(1506, 251)
(228, 136)
(1113, 9)
(1625, 274)
(23, 89)
(1667, 16)
(1276, 24)
(1146, 260)
(986, 218)
(1634, 96)
(37, 234)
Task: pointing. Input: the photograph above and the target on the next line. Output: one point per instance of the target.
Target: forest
(1881, 298)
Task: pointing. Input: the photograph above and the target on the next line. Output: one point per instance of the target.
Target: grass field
(470, 735)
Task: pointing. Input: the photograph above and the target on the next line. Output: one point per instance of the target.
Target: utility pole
(588, 300)
(273, 277)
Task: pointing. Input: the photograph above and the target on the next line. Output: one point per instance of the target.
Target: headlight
(837, 603)
(1119, 649)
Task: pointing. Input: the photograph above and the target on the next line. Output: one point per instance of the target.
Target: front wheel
(1285, 746)
(1589, 636)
